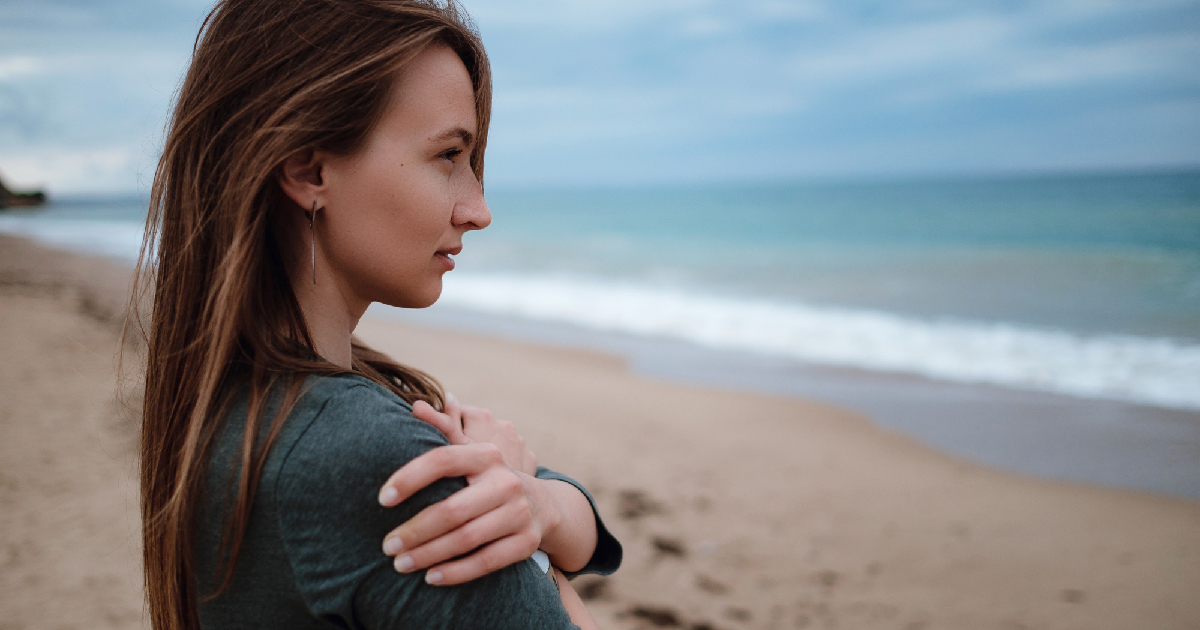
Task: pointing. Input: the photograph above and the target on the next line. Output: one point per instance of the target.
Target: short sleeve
(333, 528)
(606, 559)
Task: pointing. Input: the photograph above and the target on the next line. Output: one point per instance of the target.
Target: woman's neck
(331, 317)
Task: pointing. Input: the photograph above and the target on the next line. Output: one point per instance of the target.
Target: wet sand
(1109, 443)
(736, 510)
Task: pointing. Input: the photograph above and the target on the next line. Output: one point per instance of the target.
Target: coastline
(1105, 442)
(737, 510)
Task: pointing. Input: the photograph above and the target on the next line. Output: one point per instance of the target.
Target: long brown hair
(268, 79)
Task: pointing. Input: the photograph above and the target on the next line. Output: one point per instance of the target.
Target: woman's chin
(418, 299)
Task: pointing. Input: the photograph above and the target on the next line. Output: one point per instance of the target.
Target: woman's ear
(300, 178)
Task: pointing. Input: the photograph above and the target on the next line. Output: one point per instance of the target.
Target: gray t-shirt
(312, 557)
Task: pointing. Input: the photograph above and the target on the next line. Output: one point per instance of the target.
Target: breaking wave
(1156, 371)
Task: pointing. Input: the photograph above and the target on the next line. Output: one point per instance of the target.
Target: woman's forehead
(434, 92)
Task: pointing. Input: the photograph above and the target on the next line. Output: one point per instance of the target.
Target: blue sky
(619, 92)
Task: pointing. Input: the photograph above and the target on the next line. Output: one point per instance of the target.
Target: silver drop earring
(312, 234)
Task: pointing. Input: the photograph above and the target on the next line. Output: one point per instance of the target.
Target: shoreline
(736, 509)
(1108, 443)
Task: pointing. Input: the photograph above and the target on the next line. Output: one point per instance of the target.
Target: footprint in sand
(665, 617)
(592, 588)
(707, 584)
(1073, 595)
(669, 546)
(633, 504)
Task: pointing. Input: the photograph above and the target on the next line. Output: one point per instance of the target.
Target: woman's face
(395, 211)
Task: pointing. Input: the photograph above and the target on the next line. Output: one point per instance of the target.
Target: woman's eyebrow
(457, 132)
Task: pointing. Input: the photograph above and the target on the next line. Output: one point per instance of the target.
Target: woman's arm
(573, 604)
(504, 514)
(330, 524)
(570, 541)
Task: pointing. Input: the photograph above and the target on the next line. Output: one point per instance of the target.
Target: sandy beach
(736, 510)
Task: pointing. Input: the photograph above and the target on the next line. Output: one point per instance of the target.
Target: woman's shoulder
(339, 425)
(343, 439)
(348, 390)
(350, 421)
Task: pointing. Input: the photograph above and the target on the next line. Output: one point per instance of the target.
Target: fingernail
(404, 564)
(393, 546)
(433, 577)
(388, 496)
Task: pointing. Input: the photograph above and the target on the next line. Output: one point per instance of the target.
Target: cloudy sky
(617, 92)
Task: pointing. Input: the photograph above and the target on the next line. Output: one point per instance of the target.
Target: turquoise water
(1086, 285)
(1090, 254)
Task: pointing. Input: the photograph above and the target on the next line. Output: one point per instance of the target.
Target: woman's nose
(472, 211)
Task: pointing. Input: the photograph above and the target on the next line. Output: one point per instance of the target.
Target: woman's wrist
(567, 522)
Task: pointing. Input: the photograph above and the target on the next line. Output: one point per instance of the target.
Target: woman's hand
(463, 424)
(500, 514)
(504, 514)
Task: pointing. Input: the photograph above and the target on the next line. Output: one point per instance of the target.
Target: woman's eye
(451, 154)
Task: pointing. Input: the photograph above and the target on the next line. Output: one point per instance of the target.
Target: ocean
(1085, 285)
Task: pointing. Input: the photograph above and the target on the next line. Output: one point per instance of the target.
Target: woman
(324, 155)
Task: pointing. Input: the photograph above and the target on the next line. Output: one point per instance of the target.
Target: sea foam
(1156, 371)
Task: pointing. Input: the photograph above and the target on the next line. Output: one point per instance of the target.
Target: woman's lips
(444, 256)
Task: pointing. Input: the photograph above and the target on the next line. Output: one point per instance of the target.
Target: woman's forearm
(573, 604)
(569, 537)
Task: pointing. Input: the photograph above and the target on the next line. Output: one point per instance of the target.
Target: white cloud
(703, 26)
(14, 66)
(904, 48)
(1075, 10)
(1062, 65)
(65, 169)
(789, 10)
